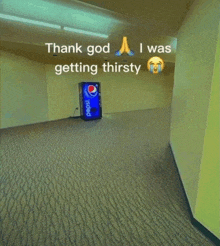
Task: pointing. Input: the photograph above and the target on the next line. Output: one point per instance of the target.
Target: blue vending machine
(90, 100)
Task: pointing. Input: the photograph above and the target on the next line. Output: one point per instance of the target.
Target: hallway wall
(120, 92)
(23, 91)
(32, 92)
(62, 94)
(193, 80)
(0, 90)
(208, 199)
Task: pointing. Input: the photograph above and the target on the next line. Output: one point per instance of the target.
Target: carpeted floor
(106, 182)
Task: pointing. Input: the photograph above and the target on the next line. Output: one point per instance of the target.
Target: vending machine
(90, 100)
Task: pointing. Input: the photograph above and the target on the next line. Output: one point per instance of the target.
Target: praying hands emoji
(124, 48)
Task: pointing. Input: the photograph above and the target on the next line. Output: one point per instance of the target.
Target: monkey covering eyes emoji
(155, 65)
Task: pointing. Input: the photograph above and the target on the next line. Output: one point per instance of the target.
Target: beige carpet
(105, 182)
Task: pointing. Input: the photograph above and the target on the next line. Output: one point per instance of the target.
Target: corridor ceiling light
(85, 32)
(63, 14)
(28, 21)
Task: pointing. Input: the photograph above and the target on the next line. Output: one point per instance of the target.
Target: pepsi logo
(92, 90)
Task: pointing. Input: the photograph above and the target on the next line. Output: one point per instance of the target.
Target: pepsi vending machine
(90, 100)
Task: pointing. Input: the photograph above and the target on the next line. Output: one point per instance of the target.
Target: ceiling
(161, 17)
(142, 21)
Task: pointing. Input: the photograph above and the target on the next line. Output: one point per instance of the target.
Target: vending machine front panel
(90, 100)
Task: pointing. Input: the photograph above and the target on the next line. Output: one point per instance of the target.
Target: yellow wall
(24, 91)
(127, 92)
(62, 94)
(32, 92)
(195, 59)
(207, 208)
(120, 92)
(0, 91)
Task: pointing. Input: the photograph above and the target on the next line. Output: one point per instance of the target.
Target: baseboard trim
(195, 222)
(205, 231)
(74, 117)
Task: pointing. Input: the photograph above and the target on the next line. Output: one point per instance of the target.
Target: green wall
(196, 76)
